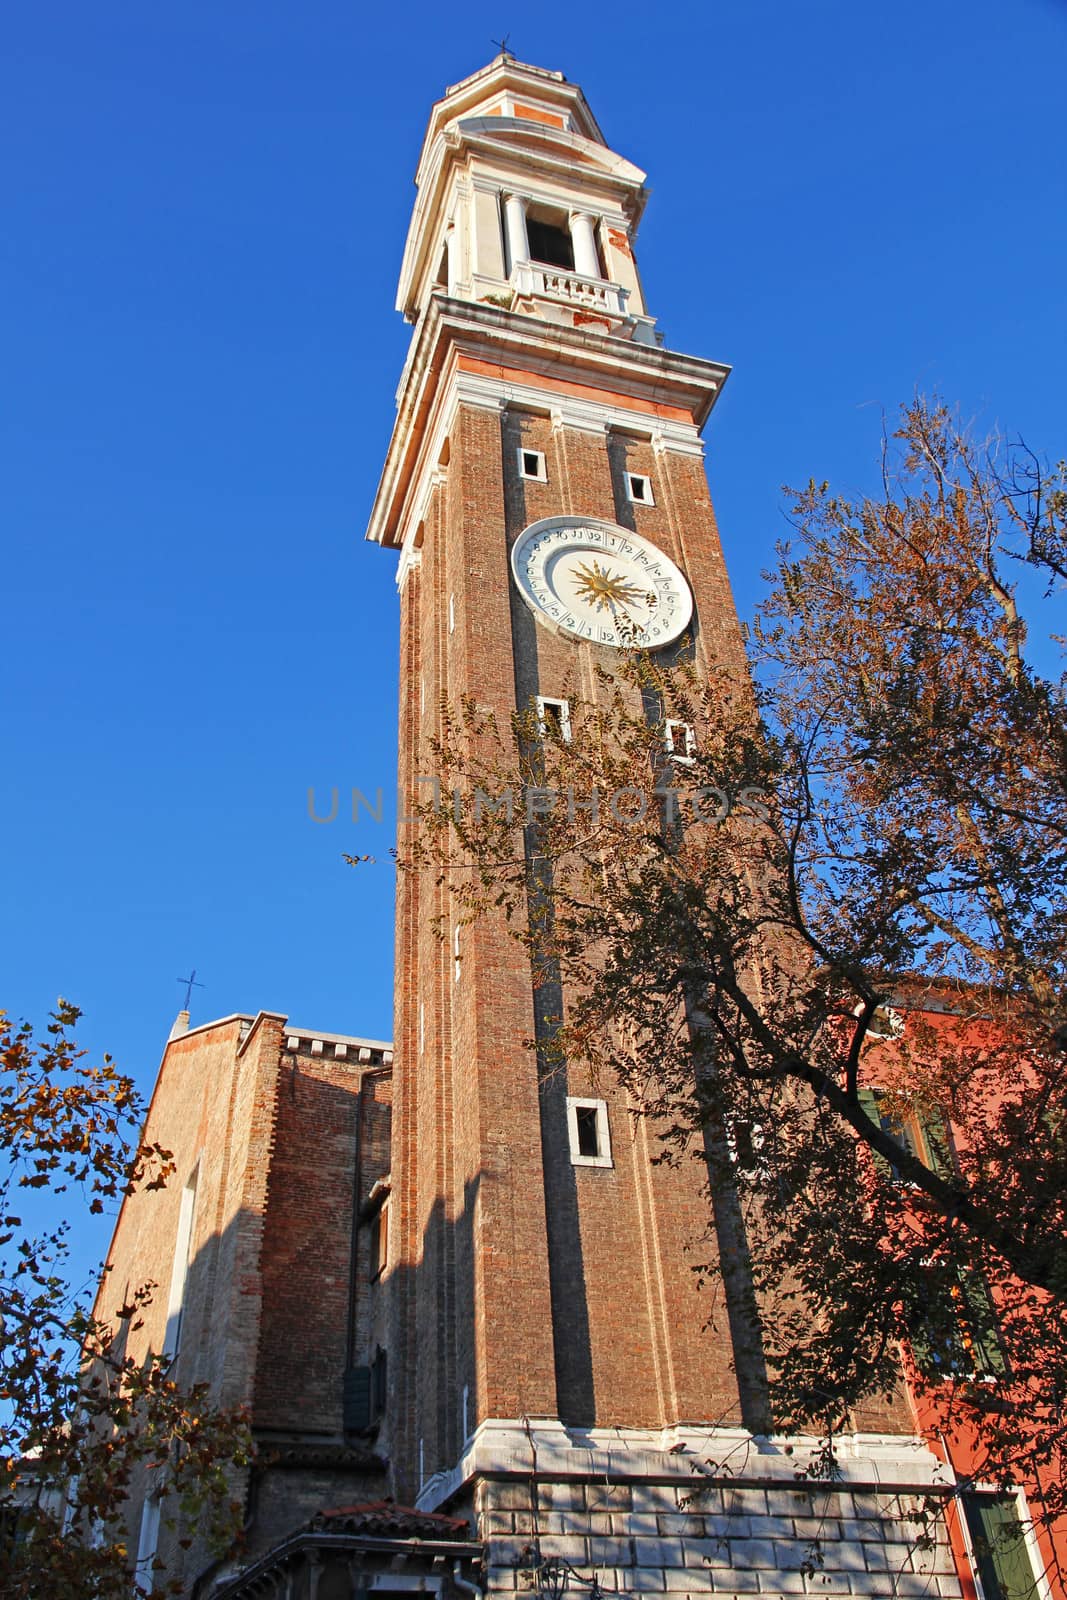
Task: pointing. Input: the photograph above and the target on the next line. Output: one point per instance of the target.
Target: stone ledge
(690, 1458)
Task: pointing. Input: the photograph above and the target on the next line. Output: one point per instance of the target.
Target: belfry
(454, 1291)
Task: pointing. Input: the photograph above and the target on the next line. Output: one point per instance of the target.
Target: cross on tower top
(190, 984)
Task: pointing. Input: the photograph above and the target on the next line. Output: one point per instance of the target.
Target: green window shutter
(922, 1351)
(1000, 1551)
(936, 1151)
(869, 1100)
(378, 1373)
(987, 1351)
(357, 1400)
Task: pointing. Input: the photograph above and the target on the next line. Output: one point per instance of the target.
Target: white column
(583, 239)
(515, 218)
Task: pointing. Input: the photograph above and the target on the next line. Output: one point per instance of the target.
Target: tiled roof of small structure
(385, 1519)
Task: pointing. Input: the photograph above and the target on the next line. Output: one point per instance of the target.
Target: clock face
(599, 582)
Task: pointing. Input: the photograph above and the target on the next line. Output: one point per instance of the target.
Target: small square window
(588, 1134)
(532, 465)
(680, 740)
(553, 718)
(639, 489)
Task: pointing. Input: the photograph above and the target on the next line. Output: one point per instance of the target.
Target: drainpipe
(465, 1583)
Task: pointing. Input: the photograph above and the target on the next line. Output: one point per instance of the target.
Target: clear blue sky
(204, 212)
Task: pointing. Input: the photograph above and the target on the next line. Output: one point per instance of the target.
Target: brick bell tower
(550, 1368)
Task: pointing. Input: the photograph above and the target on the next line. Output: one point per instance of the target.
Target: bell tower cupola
(522, 205)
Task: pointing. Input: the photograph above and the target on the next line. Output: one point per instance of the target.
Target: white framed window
(639, 489)
(532, 464)
(680, 740)
(746, 1141)
(457, 959)
(147, 1544)
(183, 1245)
(1002, 1546)
(885, 1024)
(588, 1133)
(451, 613)
(553, 718)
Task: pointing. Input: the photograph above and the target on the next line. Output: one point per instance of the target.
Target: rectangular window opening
(639, 488)
(588, 1133)
(183, 1244)
(956, 1334)
(746, 1141)
(680, 740)
(553, 718)
(550, 242)
(532, 465)
(921, 1130)
(147, 1543)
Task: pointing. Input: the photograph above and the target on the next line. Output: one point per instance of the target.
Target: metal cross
(502, 44)
(190, 984)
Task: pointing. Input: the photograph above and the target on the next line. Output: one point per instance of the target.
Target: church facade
(452, 1288)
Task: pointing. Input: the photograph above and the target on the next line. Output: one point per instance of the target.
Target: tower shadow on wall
(571, 1339)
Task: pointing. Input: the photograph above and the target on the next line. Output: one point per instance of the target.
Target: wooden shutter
(936, 1151)
(357, 1400)
(1000, 1551)
(869, 1100)
(982, 1327)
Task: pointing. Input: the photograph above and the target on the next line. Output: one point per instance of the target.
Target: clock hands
(605, 590)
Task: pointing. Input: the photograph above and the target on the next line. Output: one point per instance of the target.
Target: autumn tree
(824, 946)
(80, 1421)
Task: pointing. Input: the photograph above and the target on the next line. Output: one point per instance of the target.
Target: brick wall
(272, 1311)
(531, 1285)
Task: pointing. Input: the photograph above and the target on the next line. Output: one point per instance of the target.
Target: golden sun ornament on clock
(597, 581)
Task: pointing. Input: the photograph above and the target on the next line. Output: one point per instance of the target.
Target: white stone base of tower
(697, 1511)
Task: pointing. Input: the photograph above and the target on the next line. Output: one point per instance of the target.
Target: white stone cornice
(573, 414)
(677, 440)
(526, 363)
(898, 1463)
(410, 557)
(564, 412)
(472, 389)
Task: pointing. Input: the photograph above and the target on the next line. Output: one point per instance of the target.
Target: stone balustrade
(570, 288)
